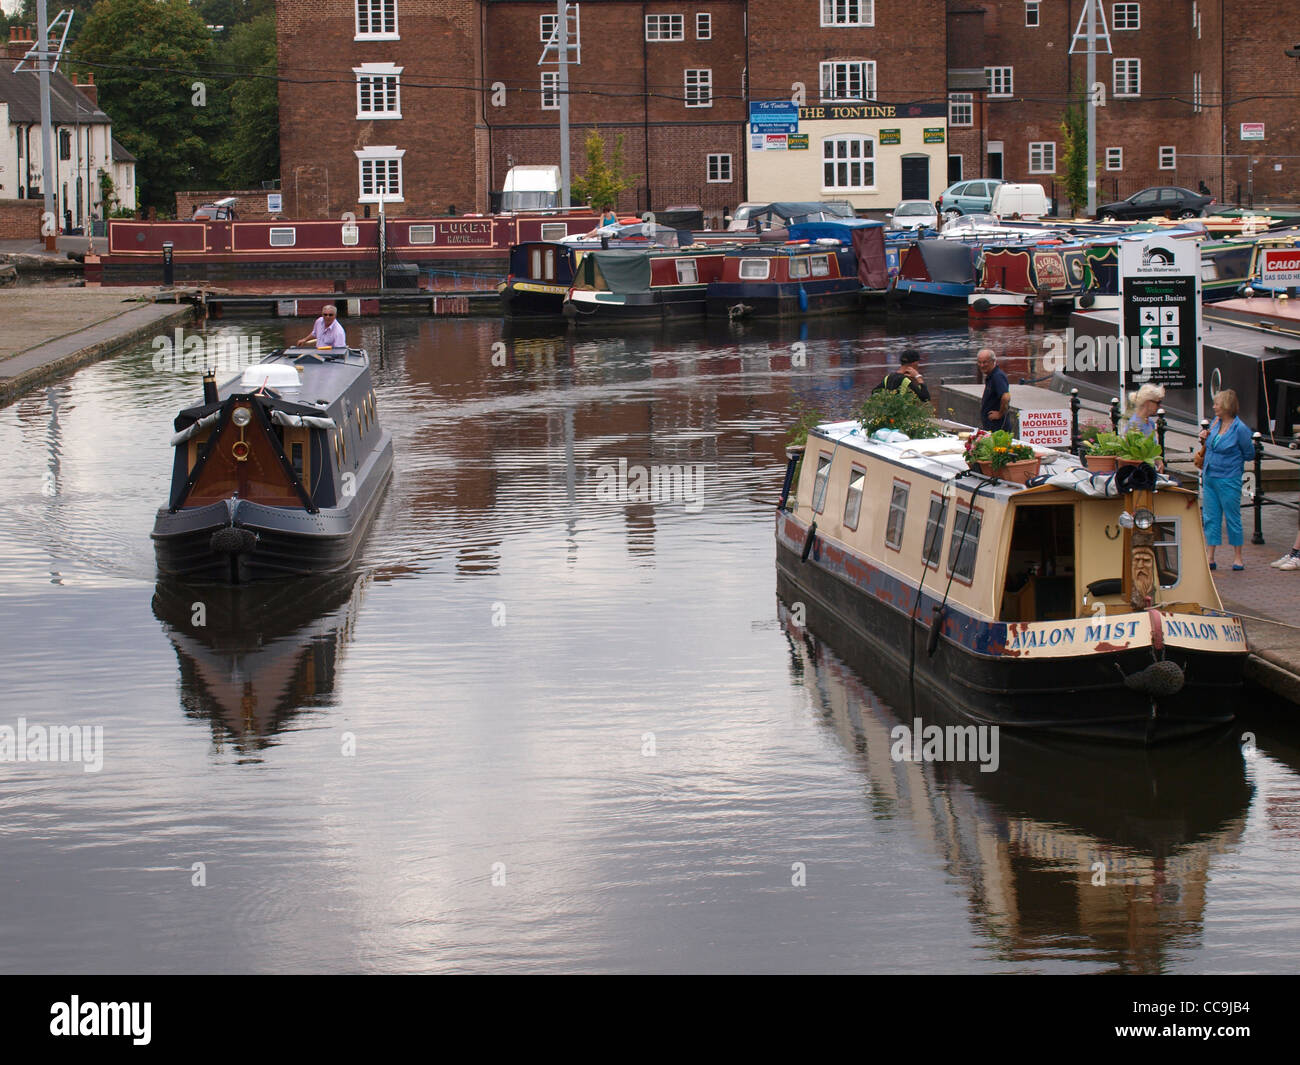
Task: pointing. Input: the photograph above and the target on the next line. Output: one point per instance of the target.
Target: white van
(531, 188)
(1019, 201)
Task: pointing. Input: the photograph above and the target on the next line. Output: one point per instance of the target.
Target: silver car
(915, 214)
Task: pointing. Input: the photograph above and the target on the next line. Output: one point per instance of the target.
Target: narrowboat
(624, 285)
(278, 472)
(934, 277)
(1041, 278)
(1274, 268)
(1077, 603)
(819, 271)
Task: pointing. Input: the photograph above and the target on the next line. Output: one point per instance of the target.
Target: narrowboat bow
(276, 473)
(1080, 604)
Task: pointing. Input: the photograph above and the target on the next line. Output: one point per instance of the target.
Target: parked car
(967, 196)
(915, 214)
(221, 211)
(1167, 200)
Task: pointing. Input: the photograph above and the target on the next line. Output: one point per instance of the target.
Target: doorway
(916, 177)
(954, 169)
(995, 160)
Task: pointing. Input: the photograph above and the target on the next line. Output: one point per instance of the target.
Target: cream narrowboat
(1080, 603)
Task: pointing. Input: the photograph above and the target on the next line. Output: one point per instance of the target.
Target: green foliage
(1074, 148)
(1105, 443)
(603, 181)
(805, 419)
(899, 409)
(997, 448)
(249, 153)
(1135, 444)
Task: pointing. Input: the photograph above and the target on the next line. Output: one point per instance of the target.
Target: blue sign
(771, 113)
(774, 127)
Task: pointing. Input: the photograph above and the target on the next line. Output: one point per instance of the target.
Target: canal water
(546, 725)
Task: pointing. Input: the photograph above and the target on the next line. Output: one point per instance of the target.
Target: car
(915, 214)
(1168, 200)
(967, 196)
(221, 211)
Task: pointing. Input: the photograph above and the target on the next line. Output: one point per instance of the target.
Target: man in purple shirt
(327, 332)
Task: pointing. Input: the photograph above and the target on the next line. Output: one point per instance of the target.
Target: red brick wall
(250, 204)
(20, 219)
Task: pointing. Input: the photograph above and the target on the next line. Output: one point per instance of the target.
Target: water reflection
(1102, 853)
(251, 658)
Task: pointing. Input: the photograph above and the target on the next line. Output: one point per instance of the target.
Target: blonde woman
(1229, 445)
(1145, 402)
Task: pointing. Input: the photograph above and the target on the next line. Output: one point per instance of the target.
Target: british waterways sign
(1160, 318)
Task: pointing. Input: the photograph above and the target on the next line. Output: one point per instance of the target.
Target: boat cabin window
(754, 269)
(1168, 549)
(283, 236)
(821, 265)
(1040, 565)
(554, 230)
(853, 501)
(799, 266)
(687, 274)
(965, 543)
(934, 527)
(351, 234)
(421, 234)
(543, 264)
(897, 515)
(819, 485)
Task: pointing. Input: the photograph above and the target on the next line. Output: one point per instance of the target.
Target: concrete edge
(1276, 678)
(14, 387)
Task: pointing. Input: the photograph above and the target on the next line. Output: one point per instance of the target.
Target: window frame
(550, 90)
(831, 19)
(1132, 75)
(819, 265)
(821, 479)
(372, 6)
(373, 155)
(1136, 12)
(935, 531)
(703, 88)
(280, 231)
(703, 21)
(693, 270)
(1172, 164)
(992, 76)
(709, 168)
(747, 274)
(906, 486)
(1119, 161)
(955, 541)
(867, 160)
(1033, 6)
(379, 72)
(1177, 545)
(854, 471)
(659, 21)
(867, 76)
(954, 104)
(1042, 160)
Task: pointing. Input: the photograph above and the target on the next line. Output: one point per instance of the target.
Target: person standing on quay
(1146, 401)
(997, 392)
(1228, 447)
(908, 375)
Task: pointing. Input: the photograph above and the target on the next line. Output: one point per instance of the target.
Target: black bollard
(1076, 443)
(1161, 426)
(1258, 538)
(169, 271)
(1114, 415)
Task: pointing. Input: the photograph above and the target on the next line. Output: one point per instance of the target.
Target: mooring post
(1076, 444)
(1258, 538)
(1114, 415)
(1161, 426)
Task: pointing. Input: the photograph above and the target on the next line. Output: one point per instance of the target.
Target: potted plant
(900, 410)
(1103, 452)
(998, 453)
(1135, 448)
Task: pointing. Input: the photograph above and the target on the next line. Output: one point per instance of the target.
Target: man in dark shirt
(908, 375)
(997, 392)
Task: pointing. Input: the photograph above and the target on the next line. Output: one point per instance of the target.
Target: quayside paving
(46, 332)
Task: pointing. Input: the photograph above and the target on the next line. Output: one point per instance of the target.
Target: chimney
(20, 39)
(88, 89)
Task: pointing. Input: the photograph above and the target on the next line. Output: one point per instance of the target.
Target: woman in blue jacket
(1228, 446)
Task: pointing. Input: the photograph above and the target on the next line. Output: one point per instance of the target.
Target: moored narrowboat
(624, 285)
(934, 277)
(1039, 279)
(1078, 603)
(278, 472)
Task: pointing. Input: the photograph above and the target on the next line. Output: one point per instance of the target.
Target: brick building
(427, 103)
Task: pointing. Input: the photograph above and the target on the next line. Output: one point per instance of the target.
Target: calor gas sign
(1280, 267)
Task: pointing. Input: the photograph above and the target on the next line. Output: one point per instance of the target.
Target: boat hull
(758, 300)
(532, 300)
(1080, 696)
(583, 309)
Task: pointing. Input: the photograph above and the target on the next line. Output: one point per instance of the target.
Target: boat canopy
(621, 270)
(942, 261)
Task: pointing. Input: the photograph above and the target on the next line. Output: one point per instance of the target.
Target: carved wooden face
(1144, 573)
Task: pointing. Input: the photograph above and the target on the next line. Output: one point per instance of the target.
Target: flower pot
(1131, 462)
(1016, 472)
(1100, 463)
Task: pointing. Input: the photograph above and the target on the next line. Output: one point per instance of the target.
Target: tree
(602, 182)
(147, 57)
(250, 150)
(1074, 153)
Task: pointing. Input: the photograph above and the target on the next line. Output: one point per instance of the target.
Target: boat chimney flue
(209, 386)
